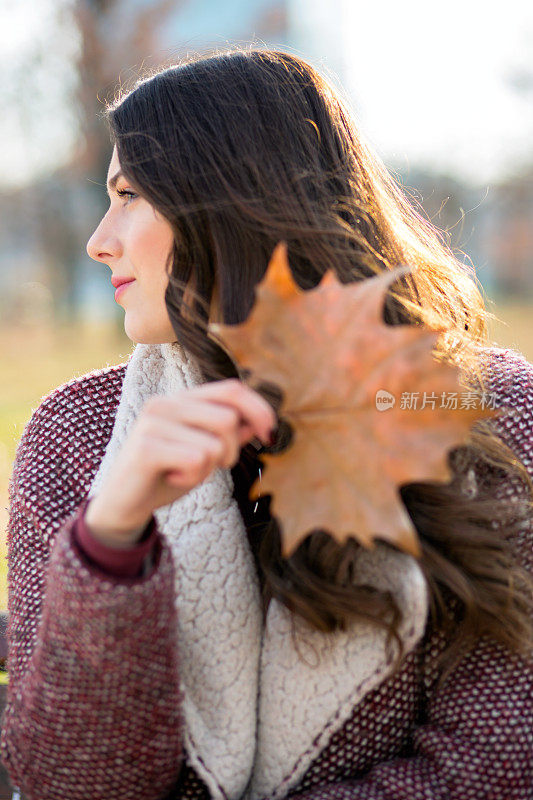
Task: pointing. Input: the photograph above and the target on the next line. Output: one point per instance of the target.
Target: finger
(217, 418)
(218, 421)
(222, 450)
(182, 464)
(256, 416)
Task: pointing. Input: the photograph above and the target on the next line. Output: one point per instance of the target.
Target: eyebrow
(112, 182)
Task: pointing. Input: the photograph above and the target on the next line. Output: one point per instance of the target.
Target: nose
(104, 245)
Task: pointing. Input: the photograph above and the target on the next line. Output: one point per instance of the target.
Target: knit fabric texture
(95, 699)
(227, 659)
(216, 589)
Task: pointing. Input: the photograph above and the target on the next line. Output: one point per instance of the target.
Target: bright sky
(431, 83)
(37, 128)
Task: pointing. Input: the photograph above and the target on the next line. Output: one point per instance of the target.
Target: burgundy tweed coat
(93, 701)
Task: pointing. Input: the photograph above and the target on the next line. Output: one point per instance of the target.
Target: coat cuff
(116, 562)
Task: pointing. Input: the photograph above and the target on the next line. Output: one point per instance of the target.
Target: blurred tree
(91, 48)
(115, 38)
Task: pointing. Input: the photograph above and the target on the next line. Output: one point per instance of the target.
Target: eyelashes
(128, 193)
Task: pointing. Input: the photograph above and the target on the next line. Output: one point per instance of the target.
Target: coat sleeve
(93, 706)
(475, 739)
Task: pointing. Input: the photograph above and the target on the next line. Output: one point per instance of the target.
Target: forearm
(93, 704)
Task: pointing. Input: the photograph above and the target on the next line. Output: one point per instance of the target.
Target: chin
(142, 335)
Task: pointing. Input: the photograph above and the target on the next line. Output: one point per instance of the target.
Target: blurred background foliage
(63, 58)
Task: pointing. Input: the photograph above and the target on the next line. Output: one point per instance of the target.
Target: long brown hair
(242, 149)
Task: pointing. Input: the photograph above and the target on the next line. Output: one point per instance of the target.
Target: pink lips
(121, 285)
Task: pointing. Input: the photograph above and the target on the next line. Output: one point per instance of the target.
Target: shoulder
(87, 401)
(509, 372)
(509, 380)
(81, 395)
(63, 442)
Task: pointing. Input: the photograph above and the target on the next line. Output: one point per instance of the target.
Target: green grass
(34, 361)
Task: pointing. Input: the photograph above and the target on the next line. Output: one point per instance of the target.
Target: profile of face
(135, 241)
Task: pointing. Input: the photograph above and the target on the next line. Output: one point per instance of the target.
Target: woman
(159, 644)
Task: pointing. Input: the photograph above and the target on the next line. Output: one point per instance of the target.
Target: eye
(128, 193)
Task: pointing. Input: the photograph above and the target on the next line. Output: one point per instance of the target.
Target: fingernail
(273, 435)
(267, 438)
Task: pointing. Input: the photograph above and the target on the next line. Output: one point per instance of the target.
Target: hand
(175, 443)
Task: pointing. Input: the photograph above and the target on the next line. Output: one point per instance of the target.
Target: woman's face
(135, 242)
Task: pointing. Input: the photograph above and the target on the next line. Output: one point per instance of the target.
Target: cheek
(151, 247)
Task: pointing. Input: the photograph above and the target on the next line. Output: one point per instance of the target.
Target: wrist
(113, 534)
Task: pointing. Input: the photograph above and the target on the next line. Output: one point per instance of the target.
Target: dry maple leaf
(331, 354)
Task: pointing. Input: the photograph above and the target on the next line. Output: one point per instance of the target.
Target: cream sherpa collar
(256, 709)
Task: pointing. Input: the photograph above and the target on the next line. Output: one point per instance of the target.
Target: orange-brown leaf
(331, 354)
